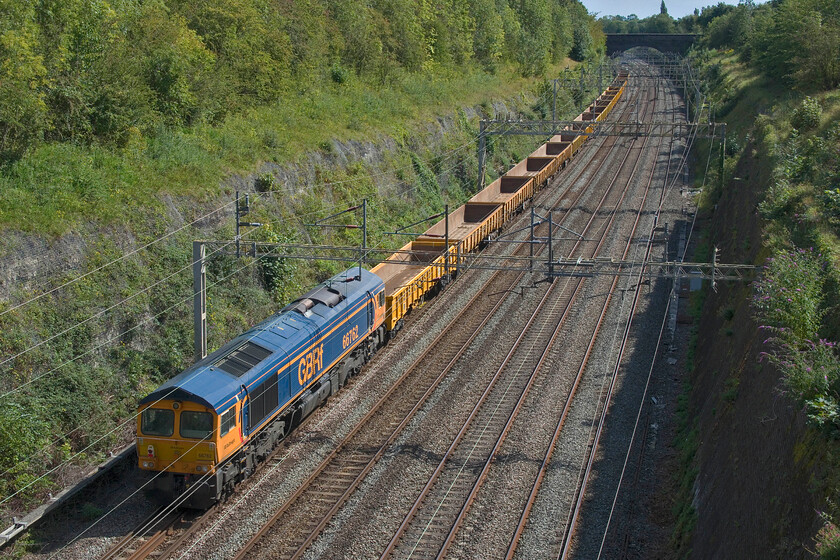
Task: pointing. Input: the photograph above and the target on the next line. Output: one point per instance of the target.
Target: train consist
(207, 428)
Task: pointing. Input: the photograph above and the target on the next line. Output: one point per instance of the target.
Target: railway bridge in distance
(663, 42)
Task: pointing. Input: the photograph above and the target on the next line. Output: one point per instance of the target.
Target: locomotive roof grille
(242, 359)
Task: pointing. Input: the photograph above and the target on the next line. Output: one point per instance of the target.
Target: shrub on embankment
(775, 92)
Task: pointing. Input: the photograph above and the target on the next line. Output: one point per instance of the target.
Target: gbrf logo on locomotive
(310, 364)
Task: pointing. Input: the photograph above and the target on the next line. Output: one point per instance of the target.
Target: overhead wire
(220, 249)
(136, 294)
(164, 511)
(253, 488)
(194, 488)
(130, 420)
(258, 195)
(185, 226)
(133, 418)
(182, 498)
(101, 313)
(98, 314)
(114, 261)
(450, 154)
(63, 437)
(682, 162)
(91, 350)
(615, 354)
(650, 373)
(221, 519)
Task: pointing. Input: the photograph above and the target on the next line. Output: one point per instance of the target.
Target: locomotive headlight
(202, 468)
(148, 464)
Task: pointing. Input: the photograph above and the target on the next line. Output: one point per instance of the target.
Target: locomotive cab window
(381, 298)
(196, 425)
(227, 421)
(157, 422)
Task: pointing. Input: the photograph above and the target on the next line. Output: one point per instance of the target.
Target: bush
(339, 74)
(828, 542)
(788, 301)
(812, 373)
(807, 115)
(733, 145)
(788, 295)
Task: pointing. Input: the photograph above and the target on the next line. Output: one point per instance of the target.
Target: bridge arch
(663, 42)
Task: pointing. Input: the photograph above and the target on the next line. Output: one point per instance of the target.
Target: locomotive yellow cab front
(179, 437)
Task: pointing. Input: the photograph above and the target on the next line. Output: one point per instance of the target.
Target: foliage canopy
(104, 71)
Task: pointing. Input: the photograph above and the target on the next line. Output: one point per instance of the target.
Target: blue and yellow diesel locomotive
(207, 428)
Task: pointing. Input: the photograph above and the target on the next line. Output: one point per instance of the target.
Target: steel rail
(568, 404)
(602, 418)
(151, 531)
(346, 443)
(250, 546)
(390, 549)
(197, 525)
(593, 447)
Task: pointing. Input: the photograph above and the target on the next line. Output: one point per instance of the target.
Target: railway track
(567, 529)
(315, 505)
(329, 487)
(340, 474)
(150, 534)
(434, 520)
(332, 483)
(568, 549)
(164, 541)
(593, 445)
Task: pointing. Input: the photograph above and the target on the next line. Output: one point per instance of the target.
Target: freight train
(208, 428)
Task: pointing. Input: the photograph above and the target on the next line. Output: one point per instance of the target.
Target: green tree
(95, 89)
(176, 64)
(583, 46)
(732, 29)
(23, 110)
(252, 50)
(512, 29)
(461, 26)
(489, 36)
(402, 33)
(709, 13)
(314, 38)
(818, 61)
(22, 435)
(798, 41)
(362, 47)
(534, 45)
(660, 23)
(562, 32)
(70, 34)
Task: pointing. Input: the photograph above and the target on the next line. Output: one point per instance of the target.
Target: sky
(646, 8)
